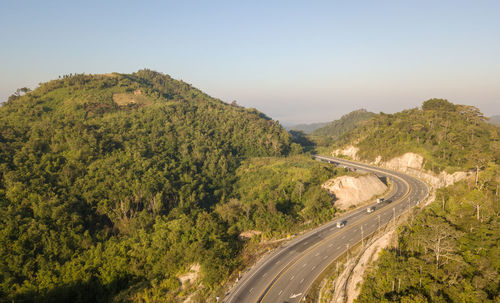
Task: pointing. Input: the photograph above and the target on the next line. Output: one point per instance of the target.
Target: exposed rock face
(354, 190)
(367, 257)
(248, 234)
(191, 275)
(411, 164)
(350, 151)
(405, 162)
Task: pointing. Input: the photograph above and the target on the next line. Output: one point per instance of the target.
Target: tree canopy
(113, 185)
(449, 137)
(448, 253)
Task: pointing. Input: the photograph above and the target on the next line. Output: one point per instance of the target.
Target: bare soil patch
(124, 99)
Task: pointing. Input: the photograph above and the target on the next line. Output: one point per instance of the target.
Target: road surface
(286, 274)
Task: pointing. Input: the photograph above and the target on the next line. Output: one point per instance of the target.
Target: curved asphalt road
(286, 274)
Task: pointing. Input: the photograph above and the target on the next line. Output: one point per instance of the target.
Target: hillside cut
(351, 191)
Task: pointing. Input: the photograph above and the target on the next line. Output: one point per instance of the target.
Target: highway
(287, 273)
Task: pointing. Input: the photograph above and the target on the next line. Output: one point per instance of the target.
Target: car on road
(340, 224)
(380, 200)
(370, 209)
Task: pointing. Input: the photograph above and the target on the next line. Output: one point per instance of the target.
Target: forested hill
(81, 125)
(448, 136)
(449, 250)
(110, 180)
(335, 129)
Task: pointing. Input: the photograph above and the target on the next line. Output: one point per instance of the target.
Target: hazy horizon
(296, 62)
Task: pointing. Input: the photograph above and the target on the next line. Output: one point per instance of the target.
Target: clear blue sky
(297, 61)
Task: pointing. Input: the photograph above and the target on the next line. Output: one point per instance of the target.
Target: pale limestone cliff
(411, 164)
(248, 234)
(405, 162)
(368, 256)
(350, 151)
(354, 190)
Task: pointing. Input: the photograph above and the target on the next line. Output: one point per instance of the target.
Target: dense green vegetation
(450, 252)
(335, 129)
(275, 195)
(111, 186)
(449, 137)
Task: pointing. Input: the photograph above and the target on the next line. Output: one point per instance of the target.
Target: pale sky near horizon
(296, 61)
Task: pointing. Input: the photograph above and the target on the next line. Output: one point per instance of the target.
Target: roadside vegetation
(447, 252)
(279, 195)
(450, 252)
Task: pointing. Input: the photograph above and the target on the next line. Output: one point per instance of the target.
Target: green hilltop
(112, 186)
(447, 251)
(449, 137)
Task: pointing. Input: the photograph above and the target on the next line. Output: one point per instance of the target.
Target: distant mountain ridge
(307, 128)
(335, 129)
(495, 120)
